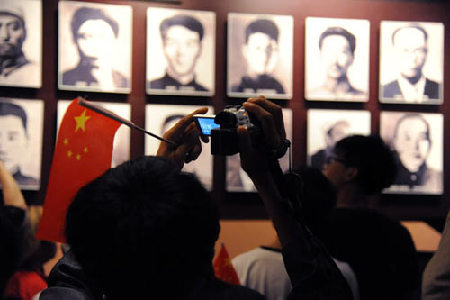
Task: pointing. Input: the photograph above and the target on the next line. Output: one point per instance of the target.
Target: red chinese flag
(223, 269)
(83, 152)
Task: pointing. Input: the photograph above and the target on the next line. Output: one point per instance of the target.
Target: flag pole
(115, 117)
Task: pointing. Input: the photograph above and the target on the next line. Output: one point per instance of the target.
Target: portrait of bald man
(180, 52)
(20, 43)
(326, 127)
(416, 140)
(411, 62)
(260, 55)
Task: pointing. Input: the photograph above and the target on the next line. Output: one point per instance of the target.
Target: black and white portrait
(337, 59)
(121, 144)
(260, 55)
(94, 47)
(21, 129)
(20, 43)
(159, 119)
(411, 62)
(180, 52)
(417, 142)
(327, 126)
(237, 179)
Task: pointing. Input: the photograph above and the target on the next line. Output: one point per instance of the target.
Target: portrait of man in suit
(183, 38)
(256, 55)
(411, 49)
(336, 59)
(412, 141)
(95, 35)
(17, 140)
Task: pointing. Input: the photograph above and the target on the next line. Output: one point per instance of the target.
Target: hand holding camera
(185, 134)
(272, 143)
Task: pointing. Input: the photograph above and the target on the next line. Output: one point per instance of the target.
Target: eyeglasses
(330, 159)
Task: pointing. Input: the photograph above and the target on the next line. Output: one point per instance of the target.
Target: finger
(178, 129)
(275, 110)
(244, 141)
(266, 120)
(196, 151)
(204, 138)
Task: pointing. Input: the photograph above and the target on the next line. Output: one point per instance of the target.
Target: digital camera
(224, 139)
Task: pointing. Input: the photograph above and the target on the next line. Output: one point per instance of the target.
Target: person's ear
(350, 173)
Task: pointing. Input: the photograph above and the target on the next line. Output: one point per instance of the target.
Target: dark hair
(373, 159)
(84, 14)
(411, 116)
(263, 25)
(317, 197)
(186, 21)
(333, 126)
(412, 25)
(8, 108)
(144, 217)
(350, 37)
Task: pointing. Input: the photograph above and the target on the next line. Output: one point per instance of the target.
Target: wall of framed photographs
(296, 70)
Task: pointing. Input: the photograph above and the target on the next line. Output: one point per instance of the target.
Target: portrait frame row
(416, 140)
(94, 54)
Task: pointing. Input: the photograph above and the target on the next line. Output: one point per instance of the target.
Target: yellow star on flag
(81, 121)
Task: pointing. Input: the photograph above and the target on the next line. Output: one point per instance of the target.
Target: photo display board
(21, 131)
(260, 55)
(180, 52)
(94, 51)
(411, 62)
(337, 59)
(417, 143)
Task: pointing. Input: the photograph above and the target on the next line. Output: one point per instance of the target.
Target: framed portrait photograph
(416, 140)
(21, 51)
(325, 127)
(159, 119)
(94, 50)
(121, 143)
(180, 52)
(21, 126)
(260, 55)
(236, 178)
(337, 59)
(411, 62)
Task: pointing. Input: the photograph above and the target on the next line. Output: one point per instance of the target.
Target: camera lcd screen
(206, 125)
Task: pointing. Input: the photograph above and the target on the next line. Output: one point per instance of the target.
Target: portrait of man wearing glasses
(412, 48)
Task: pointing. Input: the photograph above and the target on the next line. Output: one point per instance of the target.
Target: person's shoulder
(23, 180)
(391, 89)
(159, 83)
(120, 80)
(256, 254)
(70, 77)
(200, 88)
(221, 290)
(432, 89)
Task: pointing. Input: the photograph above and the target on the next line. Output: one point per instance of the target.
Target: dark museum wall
(240, 205)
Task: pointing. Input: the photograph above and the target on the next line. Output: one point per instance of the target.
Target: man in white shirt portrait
(410, 44)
